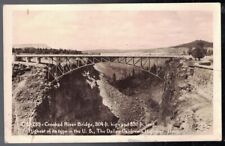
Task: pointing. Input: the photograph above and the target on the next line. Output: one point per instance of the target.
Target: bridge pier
(58, 60)
(14, 58)
(28, 59)
(38, 59)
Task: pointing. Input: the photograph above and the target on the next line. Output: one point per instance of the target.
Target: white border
(7, 30)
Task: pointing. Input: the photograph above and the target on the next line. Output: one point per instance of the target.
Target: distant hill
(182, 48)
(194, 44)
(31, 46)
(178, 49)
(104, 51)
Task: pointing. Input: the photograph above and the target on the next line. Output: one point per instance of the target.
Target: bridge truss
(61, 65)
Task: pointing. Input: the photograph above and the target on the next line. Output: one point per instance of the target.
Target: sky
(87, 30)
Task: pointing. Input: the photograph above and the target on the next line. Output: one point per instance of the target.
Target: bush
(199, 52)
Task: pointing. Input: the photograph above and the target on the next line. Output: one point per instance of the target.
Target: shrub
(199, 52)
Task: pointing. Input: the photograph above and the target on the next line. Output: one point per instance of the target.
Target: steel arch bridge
(61, 65)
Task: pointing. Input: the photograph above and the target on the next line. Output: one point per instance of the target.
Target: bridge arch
(92, 64)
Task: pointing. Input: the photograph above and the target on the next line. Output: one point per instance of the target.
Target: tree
(189, 50)
(199, 52)
(114, 77)
(209, 52)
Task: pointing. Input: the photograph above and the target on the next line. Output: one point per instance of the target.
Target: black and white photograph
(112, 72)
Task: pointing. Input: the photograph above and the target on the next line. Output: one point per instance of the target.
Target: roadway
(108, 55)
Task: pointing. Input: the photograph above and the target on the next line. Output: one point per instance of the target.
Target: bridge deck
(85, 55)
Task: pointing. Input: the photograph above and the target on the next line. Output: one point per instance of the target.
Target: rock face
(28, 94)
(169, 93)
(182, 104)
(138, 100)
(76, 98)
(186, 106)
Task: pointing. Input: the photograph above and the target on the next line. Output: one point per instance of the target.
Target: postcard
(112, 73)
